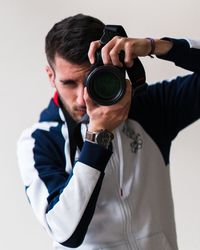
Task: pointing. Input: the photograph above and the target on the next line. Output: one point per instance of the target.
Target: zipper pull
(121, 192)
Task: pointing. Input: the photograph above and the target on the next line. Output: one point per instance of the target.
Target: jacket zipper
(126, 213)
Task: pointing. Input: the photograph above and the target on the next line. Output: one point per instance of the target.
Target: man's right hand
(108, 117)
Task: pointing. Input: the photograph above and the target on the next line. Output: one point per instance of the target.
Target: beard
(76, 112)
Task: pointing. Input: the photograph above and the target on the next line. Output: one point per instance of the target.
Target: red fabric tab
(55, 98)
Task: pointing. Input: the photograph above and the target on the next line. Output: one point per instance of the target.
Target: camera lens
(106, 84)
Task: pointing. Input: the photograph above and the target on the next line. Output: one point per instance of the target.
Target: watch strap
(102, 137)
(90, 136)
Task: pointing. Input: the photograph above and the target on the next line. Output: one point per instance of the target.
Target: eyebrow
(67, 81)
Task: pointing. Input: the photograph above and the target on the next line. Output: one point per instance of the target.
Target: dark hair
(70, 38)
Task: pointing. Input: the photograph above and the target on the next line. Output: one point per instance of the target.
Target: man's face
(68, 79)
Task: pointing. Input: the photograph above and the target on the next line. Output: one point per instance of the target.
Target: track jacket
(117, 199)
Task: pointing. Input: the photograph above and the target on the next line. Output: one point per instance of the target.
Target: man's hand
(133, 47)
(108, 117)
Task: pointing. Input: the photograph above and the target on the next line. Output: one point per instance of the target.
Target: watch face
(104, 138)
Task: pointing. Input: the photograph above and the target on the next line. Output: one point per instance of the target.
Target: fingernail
(91, 60)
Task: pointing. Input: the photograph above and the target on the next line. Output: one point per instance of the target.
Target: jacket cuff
(178, 52)
(95, 156)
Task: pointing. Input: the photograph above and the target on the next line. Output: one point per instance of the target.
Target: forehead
(67, 69)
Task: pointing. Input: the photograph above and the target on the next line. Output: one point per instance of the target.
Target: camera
(106, 84)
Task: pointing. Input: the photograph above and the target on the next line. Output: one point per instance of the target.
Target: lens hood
(106, 84)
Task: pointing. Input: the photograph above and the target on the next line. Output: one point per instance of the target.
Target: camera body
(106, 84)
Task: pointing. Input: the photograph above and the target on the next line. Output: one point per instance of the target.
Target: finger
(116, 51)
(89, 102)
(128, 87)
(110, 52)
(115, 58)
(129, 56)
(92, 49)
(127, 96)
(105, 54)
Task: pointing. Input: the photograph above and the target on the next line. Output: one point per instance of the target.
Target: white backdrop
(25, 91)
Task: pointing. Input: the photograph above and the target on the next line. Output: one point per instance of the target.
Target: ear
(51, 75)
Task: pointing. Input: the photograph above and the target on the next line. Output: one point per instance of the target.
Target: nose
(80, 99)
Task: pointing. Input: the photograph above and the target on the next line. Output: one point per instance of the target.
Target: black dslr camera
(106, 84)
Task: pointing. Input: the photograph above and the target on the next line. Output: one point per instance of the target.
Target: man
(114, 193)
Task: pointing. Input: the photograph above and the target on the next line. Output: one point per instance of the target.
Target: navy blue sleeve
(166, 108)
(182, 55)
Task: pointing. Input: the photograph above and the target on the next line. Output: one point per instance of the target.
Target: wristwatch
(102, 137)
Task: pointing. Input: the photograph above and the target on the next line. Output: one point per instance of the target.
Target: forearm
(183, 54)
(71, 215)
(162, 47)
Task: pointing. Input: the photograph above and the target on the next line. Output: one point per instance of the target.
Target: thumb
(89, 102)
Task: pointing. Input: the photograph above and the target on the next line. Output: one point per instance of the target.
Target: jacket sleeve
(64, 202)
(181, 96)
(184, 53)
(167, 107)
